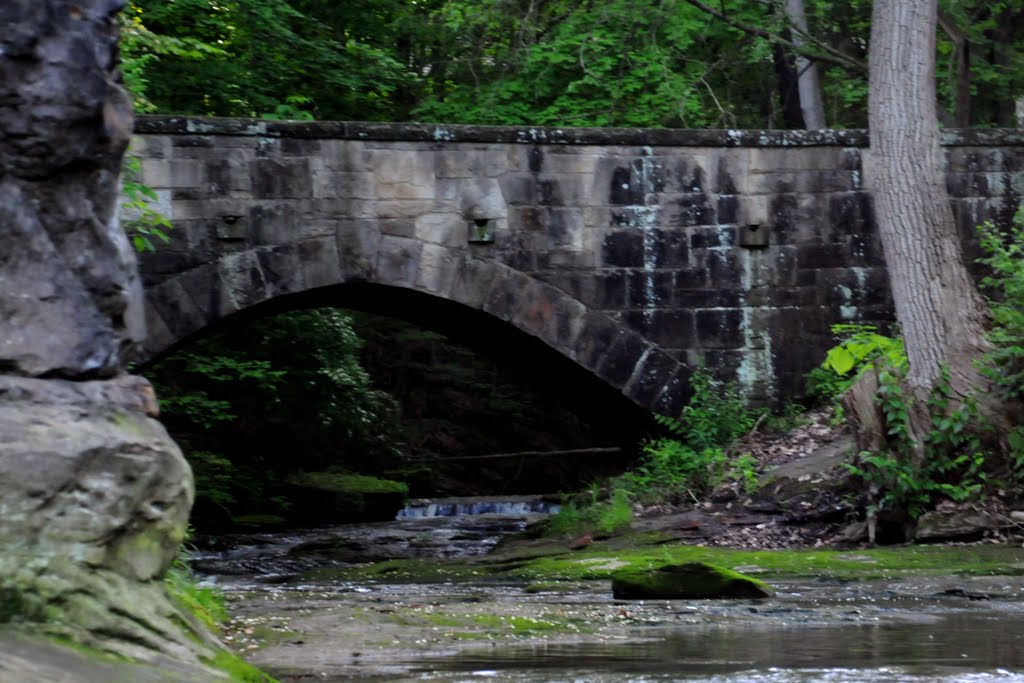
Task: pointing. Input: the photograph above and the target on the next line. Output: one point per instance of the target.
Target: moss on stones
(693, 580)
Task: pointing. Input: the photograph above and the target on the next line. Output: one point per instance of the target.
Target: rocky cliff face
(94, 495)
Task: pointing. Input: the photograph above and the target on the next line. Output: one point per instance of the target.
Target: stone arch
(193, 300)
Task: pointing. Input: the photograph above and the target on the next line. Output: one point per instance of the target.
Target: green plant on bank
(679, 469)
(949, 464)
(907, 477)
(206, 604)
(1005, 284)
(715, 415)
(860, 347)
(601, 516)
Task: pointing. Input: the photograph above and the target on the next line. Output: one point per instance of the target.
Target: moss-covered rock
(339, 497)
(694, 580)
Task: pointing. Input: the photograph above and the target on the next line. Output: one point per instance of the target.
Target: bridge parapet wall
(637, 253)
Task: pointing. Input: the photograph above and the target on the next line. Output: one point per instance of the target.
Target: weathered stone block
(320, 262)
(448, 229)
(438, 270)
(650, 288)
(397, 261)
(648, 381)
(243, 283)
(620, 361)
(623, 249)
(564, 228)
(474, 280)
(281, 266)
(285, 179)
(721, 328)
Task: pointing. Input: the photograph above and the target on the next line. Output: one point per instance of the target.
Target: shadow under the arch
(613, 419)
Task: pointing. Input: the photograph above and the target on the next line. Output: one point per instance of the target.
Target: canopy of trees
(676, 63)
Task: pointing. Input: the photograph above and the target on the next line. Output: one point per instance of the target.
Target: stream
(296, 619)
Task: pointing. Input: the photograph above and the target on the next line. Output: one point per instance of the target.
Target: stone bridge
(635, 253)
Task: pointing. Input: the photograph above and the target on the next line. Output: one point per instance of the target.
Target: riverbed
(297, 613)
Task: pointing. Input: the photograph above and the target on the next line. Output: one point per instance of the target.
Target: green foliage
(344, 481)
(949, 463)
(238, 670)
(277, 396)
(860, 347)
(698, 459)
(310, 57)
(1005, 283)
(143, 223)
(601, 516)
(205, 603)
(715, 415)
(560, 62)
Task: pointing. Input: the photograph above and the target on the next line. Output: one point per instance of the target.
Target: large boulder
(691, 581)
(70, 295)
(94, 504)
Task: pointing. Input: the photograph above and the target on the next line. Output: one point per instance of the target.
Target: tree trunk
(788, 86)
(938, 306)
(808, 83)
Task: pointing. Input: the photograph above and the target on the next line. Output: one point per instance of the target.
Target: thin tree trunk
(962, 55)
(808, 82)
(941, 314)
(787, 82)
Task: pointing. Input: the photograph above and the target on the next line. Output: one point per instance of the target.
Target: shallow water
(871, 632)
(986, 646)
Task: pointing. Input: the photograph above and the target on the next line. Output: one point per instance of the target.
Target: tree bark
(940, 311)
(808, 83)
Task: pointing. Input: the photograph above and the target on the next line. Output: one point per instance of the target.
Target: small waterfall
(453, 507)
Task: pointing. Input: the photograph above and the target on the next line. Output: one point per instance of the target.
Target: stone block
(518, 189)
(397, 261)
(273, 222)
(320, 262)
(282, 270)
(623, 249)
(559, 162)
(448, 229)
(399, 209)
(176, 308)
(285, 179)
(457, 163)
(438, 269)
(650, 288)
(719, 328)
(564, 228)
(676, 392)
(504, 296)
(652, 374)
(474, 279)
(692, 299)
(344, 155)
(358, 243)
(718, 236)
(620, 362)
(667, 328)
(482, 198)
(185, 173)
(832, 255)
(598, 334)
(242, 281)
(691, 209)
(399, 227)
(151, 146)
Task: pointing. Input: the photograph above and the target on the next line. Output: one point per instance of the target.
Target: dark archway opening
(474, 407)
